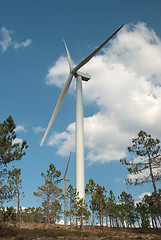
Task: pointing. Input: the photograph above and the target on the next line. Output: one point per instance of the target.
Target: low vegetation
(35, 232)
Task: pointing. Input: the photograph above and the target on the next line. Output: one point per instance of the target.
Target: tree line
(102, 207)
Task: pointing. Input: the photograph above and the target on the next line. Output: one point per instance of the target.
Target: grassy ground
(35, 232)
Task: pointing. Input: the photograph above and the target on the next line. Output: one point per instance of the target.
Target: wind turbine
(79, 128)
(65, 180)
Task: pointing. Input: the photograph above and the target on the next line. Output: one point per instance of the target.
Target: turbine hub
(84, 76)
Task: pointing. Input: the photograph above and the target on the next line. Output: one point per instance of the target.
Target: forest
(100, 207)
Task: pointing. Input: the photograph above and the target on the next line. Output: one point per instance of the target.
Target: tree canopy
(49, 191)
(10, 150)
(145, 165)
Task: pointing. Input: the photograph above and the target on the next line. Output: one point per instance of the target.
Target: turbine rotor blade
(69, 57)
(84, 61)
(67, 166)
(58, 105)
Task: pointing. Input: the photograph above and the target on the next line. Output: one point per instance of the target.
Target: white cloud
(8, 41)
(58, 73)
(23, 44)
(20, 128)
(64, 141)
(17, 140)
(140, 197)
(104, 140)
(38, 129)
(145, 174)
(126, 88)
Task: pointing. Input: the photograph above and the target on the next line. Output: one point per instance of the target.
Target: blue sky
(122, 97)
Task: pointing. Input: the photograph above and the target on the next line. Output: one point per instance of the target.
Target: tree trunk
(70, 213)
(76, 221)
(110, 222)
(152, 220)
(123, 225)
(92, 218)
(48, 212)
(100, 219)
(117, 224)
(18, 207)
(159, 220)
(106, 221)
(154, 185)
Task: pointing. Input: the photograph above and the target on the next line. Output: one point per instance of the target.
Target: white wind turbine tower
(65, 180)
(79, 130)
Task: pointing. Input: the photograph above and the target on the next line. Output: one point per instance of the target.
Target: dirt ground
(28, 231)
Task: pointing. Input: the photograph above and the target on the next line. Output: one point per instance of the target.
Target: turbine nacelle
(84, 76)
(66, 179)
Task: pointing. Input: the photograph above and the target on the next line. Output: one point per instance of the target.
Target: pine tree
(81, 211)
(14, 187)
(143, 212)
(146, 162)
(128, 205)
(55, 211)
(9, 151)
(49, 191)
(90, 190)
(111, 208)
(71, 195)
(99, 202)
